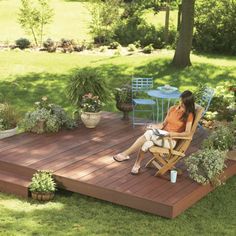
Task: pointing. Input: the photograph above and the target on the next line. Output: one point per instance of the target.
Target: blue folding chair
(140, 86)
(205, 101)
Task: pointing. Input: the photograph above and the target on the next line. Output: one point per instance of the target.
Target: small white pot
(91, 119)
(8, 133)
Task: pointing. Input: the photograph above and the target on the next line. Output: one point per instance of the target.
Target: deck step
(16, 169)
(14, 183)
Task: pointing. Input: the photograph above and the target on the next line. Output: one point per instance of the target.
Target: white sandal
(120, 157)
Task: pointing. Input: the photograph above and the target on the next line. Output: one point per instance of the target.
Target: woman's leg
(135, 146)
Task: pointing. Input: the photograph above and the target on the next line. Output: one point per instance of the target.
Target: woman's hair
(188, 101)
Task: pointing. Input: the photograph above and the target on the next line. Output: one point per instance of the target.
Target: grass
(74, 214)
(71, 20)
(26, 77)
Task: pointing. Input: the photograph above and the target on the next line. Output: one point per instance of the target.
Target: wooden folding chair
(164, 159)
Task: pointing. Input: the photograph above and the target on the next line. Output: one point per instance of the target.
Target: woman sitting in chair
(177, 123)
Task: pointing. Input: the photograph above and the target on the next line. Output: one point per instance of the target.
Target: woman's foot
(121, 157)
(135, 170)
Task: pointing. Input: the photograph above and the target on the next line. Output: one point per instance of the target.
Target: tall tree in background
(182, 53)
(34, 16)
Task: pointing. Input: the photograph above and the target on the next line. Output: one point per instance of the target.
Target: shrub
(67, 45)
(103, 49)
(206, 166)
(22, 43)
(50, 45)
(218, 35)
(114, 45)
(87, 80)
(131, 47)
(8, 117)
(43, 182)
(148, 49)
(222, 139)
(46, 118)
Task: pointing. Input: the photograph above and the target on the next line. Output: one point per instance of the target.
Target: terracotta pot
(91, 119)
(39, 128)
(42, 196)
(126, 108)
(231, 155)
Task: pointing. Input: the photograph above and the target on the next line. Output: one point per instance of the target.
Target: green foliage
(87, 80)
(105, 16)
(123, 94)
(67, 45)
(22, 43)
(8, 117)
(131, 47)
(34, 16)
(114, 45)
(222, 139)
(43, 182)
(223, 101)
(215, 26)
(91, 103)
(46, 118)
(50, 45)
(206, 165)
(148, 49)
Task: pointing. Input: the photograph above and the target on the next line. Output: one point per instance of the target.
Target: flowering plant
(91, 103)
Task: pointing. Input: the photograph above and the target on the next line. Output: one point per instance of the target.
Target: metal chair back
(207, 96)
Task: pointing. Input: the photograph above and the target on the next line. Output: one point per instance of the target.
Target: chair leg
(149, 162)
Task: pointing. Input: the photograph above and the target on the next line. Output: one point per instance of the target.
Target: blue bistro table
(160, 95)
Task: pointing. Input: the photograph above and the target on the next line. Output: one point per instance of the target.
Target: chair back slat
(182, 145)
(141, 84)
(207, 96)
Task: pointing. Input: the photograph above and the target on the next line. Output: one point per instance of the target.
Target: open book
(160, 133)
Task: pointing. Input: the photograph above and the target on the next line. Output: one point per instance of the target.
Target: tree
(184, 44)
(105, 16)
(34, 16)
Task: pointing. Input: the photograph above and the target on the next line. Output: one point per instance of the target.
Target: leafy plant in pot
(123, 98)
(8, 120)
(91, 107)
(42, 186)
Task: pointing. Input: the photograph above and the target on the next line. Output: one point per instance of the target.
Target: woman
(178, 122)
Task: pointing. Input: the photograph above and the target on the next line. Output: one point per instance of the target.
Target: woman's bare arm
(186, 133)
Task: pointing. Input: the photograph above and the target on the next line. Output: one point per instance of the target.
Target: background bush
(136, 28)
(22, 43)
(215, 22)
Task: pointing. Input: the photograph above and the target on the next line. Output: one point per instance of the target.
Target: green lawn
(26, 77)
(74, 214)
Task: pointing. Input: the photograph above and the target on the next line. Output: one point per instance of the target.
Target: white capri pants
(153, 140)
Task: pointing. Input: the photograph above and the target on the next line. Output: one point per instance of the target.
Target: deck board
(81, 161)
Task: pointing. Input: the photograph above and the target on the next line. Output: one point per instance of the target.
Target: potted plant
(8, 121)
(42, 186)
(123, 98)
(206, 166)
(91, 107)
(46, 117)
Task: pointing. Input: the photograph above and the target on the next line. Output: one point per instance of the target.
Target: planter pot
(39, 128)
(42, 196)
(91, 119)
(231, 155)
(8, 133)
(126, 108)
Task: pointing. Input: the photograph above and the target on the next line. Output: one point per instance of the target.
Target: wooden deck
(82, 162)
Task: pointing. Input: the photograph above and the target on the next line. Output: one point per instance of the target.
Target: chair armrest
(177, 137)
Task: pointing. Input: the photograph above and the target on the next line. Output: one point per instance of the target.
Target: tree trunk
(167, 20)
(182, 53)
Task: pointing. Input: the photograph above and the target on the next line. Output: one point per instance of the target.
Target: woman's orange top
(174, 122)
